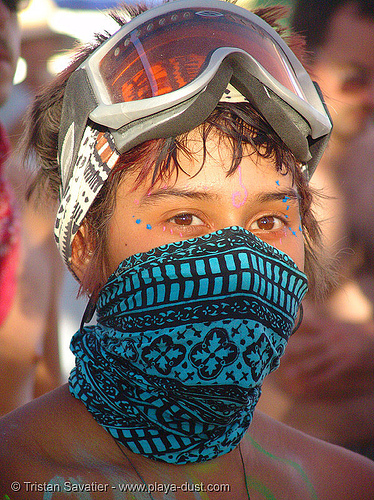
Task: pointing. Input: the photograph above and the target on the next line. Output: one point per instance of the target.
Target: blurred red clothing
(9, 235)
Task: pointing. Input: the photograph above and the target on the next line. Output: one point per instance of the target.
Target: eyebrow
(282, 195)
(287, 194)
(155, 196)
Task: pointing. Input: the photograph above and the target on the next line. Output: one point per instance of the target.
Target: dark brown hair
(239, 124)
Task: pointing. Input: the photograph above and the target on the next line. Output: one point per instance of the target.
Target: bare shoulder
(44, 439)
(21, 445)
(32, 425)
(333, 471)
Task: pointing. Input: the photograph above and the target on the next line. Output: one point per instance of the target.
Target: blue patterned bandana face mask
(185, 335)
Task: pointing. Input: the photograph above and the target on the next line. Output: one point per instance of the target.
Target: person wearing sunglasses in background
(325, 385)
(182, 170)
(29, 264)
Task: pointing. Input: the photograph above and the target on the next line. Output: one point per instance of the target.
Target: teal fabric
(185, 335)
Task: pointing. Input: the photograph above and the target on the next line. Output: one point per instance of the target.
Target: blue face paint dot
(148, 226)
(300, 229)
(277, 183)
(138, 221)
(285, 199)
(287, 208)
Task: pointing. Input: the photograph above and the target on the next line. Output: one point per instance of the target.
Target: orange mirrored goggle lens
(170, 51)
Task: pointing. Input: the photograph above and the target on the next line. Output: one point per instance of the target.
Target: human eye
(186, 219)
(268, 223)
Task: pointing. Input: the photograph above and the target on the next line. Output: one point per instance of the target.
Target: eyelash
(187, 228)
(191, 226)
(276, 217)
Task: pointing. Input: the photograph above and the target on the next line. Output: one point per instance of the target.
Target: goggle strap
(77, 106)
(290, 126)
(318, 146)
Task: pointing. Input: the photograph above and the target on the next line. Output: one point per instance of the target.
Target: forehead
(198, 153)
(209, 163)
(350, 38)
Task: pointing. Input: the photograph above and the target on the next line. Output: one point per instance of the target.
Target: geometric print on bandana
(186, 334)
(189, 277)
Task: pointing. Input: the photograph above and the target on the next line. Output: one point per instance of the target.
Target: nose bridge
(241, 201)
(232, 216)
(235, 202)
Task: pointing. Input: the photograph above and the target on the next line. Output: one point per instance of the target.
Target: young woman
(180, 148)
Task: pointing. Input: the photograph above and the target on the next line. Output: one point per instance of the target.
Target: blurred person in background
(325, 385)
(42, 50)
(30, 269)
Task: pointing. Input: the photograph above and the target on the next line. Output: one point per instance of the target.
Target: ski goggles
(164, 72)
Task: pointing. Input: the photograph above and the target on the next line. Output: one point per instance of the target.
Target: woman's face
(197, 202)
